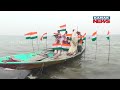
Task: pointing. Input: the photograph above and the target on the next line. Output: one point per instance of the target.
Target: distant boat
(35, 60)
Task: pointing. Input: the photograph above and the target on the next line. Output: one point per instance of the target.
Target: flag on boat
(84, 37)
(63, 27)
(69, 36)
(108, 36)
(66, 47)
(44, 36)
(31, 35)
(94, 36)
(57, 46)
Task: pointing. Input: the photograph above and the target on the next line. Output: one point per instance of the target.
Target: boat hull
(37, 64)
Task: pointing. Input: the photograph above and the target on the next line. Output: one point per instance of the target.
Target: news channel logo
(101, 19)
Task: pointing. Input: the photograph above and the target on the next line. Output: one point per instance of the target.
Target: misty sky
(21, 22)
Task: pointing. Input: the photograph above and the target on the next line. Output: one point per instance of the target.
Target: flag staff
(32, 45)
(85, 43)
(46, 43)
(96, 45)
(85, 47)
(109, 49)
(44, 37)
(38, 44)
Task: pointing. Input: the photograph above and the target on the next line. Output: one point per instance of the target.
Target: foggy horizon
(21, 22)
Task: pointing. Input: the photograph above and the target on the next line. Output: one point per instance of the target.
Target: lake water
(84, 67)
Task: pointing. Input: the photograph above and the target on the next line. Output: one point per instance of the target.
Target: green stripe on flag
(65, 49)
(108, 38)
(58, 48)
(62, 30)
(44, 37)
(34, 37)
(28, 37)
(84, 38)
(94, 39)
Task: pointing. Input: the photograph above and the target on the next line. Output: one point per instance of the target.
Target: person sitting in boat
(74, 43)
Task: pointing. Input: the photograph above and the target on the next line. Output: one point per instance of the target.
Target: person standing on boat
(74, 43)
(58, 50)
(65, 40)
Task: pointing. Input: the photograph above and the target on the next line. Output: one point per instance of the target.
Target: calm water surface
(80, 68)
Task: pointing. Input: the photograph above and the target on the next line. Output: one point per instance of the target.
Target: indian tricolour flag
(31, 35)
(94, 36)
(66, 47)
(63, 27)
(108, 36)
(57, 46)
(69, 36)
(44, 36)
(84, 37)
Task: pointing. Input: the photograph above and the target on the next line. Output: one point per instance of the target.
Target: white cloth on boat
(74, 43)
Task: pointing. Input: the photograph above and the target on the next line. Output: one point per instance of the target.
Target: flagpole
(32, 45)
(46, 43)
(38, 44)
(85, 48)
(96, 46)
(109, 50)
(85, 43)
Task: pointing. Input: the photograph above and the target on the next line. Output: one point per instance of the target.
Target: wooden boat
(35, 59)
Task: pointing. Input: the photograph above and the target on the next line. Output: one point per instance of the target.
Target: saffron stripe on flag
(95, 33)
(63, 26)
(31, 33)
